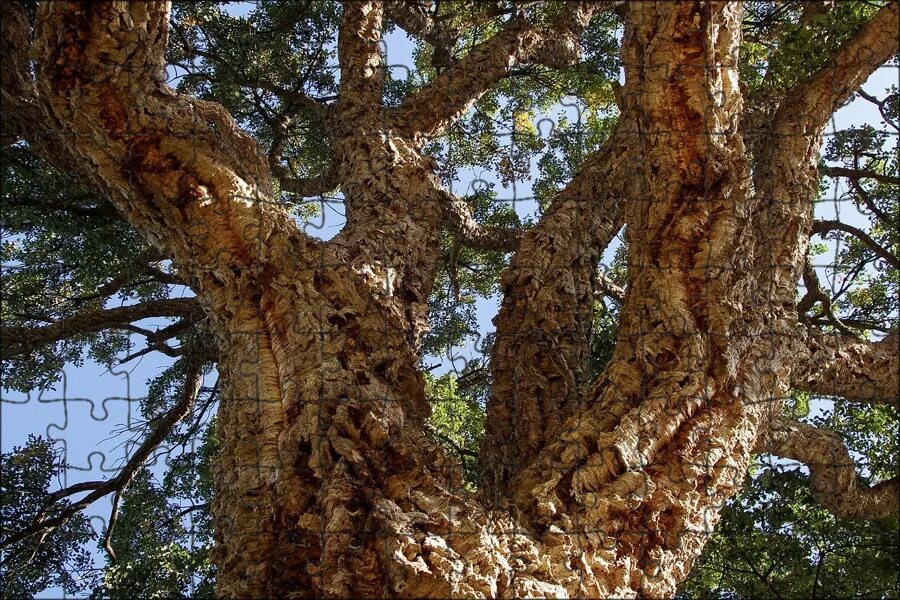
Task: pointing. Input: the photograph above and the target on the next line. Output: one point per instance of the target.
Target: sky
(89, 406)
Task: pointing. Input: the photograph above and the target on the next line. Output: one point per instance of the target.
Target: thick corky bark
(327, 484)
(542, 345)
(429, 112)
(831, 365)
(834, 479)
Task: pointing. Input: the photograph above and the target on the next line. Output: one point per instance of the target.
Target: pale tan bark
(670, 426)
(327, 484)
(786, 170)
(849, 368)
(833, 473)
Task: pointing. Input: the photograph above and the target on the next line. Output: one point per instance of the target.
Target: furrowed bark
(306, 187)
(832, 472)
(326, 483)
(646, 464)
(543, 329)
(394, 202)
(787, 177)
(849, 368)
(177, 168)
(22, 117)
(183, 174)
(18, 93)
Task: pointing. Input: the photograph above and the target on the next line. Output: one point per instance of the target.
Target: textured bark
(846, 367)
(834, 479)
(326, 484)
(668, 431)
(542, 344)
(786, 170)
(430, 111)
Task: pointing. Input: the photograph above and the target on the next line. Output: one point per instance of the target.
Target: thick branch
(844, 366)
(22, 116)
(305, 187)
(433, 108)
(874, 44)
(412, 16)
(20, 340)
(471, 233)
(832, 471)
(543, 328)
(857, 174)
(787, 173)
(179, 169)
(610, 288)
(359, 53)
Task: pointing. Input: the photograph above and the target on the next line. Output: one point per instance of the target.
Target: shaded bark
(327, 484)
(542, 344)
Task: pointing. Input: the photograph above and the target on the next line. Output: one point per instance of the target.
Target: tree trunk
(326, 484)
(343, 475)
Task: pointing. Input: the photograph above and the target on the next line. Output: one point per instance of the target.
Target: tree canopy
(81, 280)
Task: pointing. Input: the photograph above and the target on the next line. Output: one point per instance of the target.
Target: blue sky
(91, 403)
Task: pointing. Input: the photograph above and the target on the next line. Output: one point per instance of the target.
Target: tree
(615, 430)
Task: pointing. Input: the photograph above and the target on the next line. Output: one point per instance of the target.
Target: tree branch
(303, 186)
(412, 17)
(359, 55)
(20, 340)
(817, 98)
(543, 327)
(832, 471)
(857, 174)
(610, 288)
(471, 233)
(824, 226)
(850, 368)
(42, 523)
(432, 109)
(140, 265)
(814, 293)
(787, 175)
(179, 169)
(22, 116)
(240, 78)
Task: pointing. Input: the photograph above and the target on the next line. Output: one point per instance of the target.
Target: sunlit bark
(326, 484)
